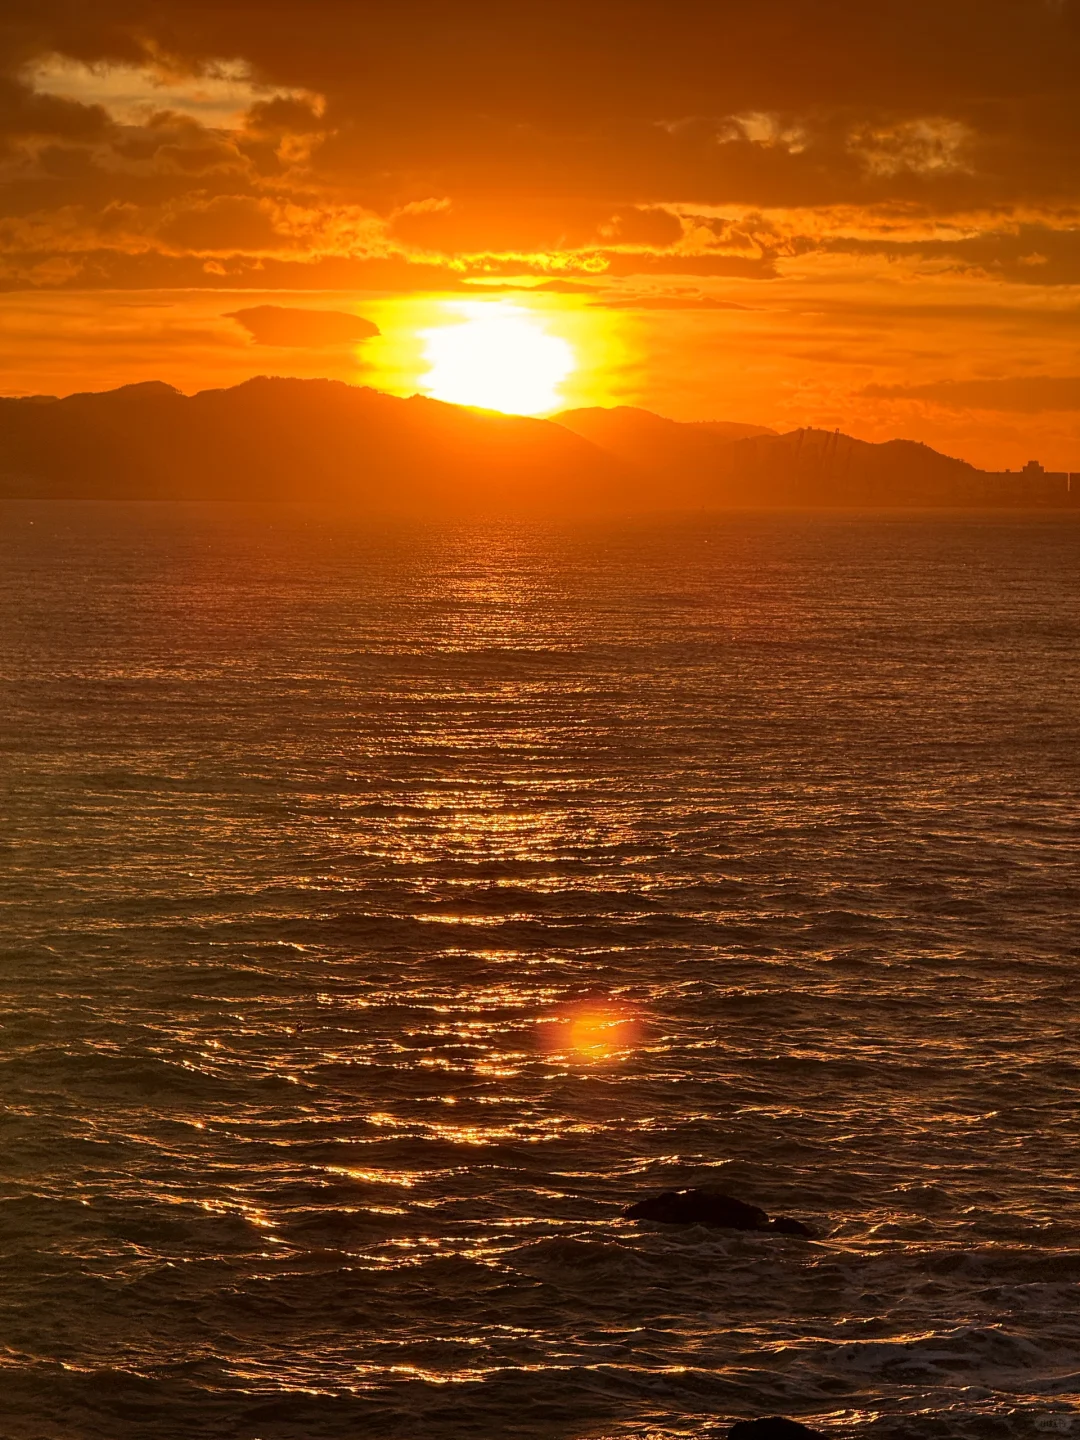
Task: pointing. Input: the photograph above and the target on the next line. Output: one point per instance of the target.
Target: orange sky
(788, 213)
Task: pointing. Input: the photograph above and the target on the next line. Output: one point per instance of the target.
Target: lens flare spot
(593, 1030)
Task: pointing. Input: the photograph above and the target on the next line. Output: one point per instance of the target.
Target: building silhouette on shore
(1033, 485)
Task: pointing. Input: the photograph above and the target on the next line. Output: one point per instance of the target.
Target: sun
(498, 357)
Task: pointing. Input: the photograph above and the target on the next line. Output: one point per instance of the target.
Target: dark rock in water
(699, 1207)
(712, 1208)
(785, 1225)
(774, 1428)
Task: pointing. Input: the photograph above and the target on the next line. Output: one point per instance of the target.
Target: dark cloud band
(303, 329)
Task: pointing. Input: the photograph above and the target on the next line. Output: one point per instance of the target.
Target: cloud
(1021, 394)
(563, 287)
(225, 224)
(670, 302)
(94, 266)
(643, 225)
(545, 287)
(26, 114)
(518, 224)
(216, 127)
(767, 130)
(1005, 246)
(306, 329)
(219, 93)
(743, 267)
(613, 298)
(930, 145)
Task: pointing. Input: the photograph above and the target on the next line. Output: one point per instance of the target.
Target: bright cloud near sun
(218, 96)
(497, 357)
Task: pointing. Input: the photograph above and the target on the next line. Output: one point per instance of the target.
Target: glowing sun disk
(497, 357)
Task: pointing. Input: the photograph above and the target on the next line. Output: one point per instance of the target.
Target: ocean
(385, 909)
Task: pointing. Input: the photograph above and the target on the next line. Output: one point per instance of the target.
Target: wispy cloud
(1019, 394)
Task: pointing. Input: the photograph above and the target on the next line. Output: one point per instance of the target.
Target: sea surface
(383, 910)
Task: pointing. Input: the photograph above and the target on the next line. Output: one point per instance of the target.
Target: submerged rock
(785, 1225)
(774, 1428)
(701, 1206)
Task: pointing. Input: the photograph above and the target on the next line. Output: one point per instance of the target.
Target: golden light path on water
(385, 912)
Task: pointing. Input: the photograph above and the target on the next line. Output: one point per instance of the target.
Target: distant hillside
(728, 464)
(727, 429)
(297, 439)
(720, 464)
(825, 467)
(642, 438)
(274, 439)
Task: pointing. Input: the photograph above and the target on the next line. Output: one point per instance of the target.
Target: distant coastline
(285, 439)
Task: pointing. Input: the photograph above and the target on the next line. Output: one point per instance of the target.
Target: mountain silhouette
(285, 439)
(722, 463)
(642, 438)
(278, 439)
